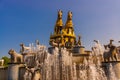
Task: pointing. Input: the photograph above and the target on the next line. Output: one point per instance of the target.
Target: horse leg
(108, 58)
(22, 59)
(105, 60)
(115, 56)
(112, 57)
(15, 59)
(104, 57)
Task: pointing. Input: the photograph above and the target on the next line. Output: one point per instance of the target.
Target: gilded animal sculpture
(58, 43)
(69, 15)
(60, 14)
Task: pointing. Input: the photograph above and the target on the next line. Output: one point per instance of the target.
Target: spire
(69, 35)
(69, 25)
(59, 23)
(55, 38)
(69, 22)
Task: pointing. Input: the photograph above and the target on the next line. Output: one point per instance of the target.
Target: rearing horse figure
(111, 52)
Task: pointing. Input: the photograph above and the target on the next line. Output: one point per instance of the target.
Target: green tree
(6, 60)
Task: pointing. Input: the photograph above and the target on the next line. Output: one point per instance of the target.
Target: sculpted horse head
(11, 51)
(69, 15)
(60, 14)
(106, 47)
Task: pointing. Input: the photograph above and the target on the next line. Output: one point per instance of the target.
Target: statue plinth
(79, 49)
(51, 49)
(115, 67)
(16, 63)
(79, 58)
(111, 62)
(13, 70)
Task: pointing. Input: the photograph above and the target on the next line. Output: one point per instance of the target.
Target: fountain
(59, 65)
(66, 59)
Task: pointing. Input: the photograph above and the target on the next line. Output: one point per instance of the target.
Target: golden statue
(59, 23)
(69, 22)
(69, 15)
(63, 36)
(70, 37)
(79, 40)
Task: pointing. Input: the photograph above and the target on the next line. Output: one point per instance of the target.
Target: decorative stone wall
(18, 75)
(21, 73)
(3, 73)
(15, 71)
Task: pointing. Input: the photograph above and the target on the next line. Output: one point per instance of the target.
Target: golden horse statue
(60, 14)
(69, 15)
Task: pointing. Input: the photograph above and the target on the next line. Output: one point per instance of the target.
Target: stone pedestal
(22, 72)
(51, 49)
(115, 67)
(79, 49)
(13, 71)
(3, 73)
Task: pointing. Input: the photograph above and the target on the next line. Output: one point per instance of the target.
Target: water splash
(59, 66)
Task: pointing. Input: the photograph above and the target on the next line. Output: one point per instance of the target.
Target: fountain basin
(14, 71)
(78, 58)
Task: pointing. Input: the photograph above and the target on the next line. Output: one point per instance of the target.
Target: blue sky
(28, 20)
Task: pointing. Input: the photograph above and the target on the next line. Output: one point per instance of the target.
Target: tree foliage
(6, 60)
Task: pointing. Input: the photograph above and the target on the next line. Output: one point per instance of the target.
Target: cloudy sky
(27, 20)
